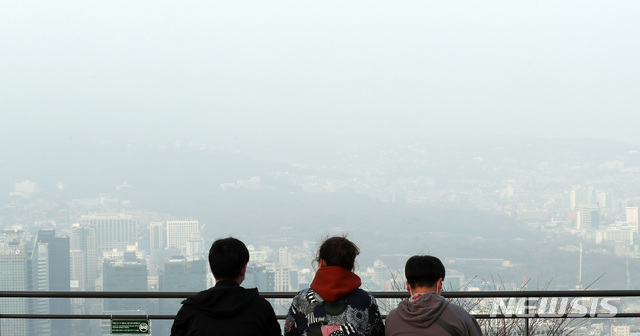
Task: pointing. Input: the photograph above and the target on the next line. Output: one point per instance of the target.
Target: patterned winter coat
(334, 306)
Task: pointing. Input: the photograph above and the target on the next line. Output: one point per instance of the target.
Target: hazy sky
(132, 70)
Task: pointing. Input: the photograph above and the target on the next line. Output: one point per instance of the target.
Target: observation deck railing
(528, 295)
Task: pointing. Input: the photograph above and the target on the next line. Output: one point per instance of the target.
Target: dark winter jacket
(226, 309)
(418, 315)
(334, 303)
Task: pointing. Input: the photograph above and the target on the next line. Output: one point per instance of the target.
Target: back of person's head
(227, 257)
(338, 251)
(423, 271)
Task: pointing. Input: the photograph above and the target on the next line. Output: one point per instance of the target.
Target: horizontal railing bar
(123, 295)
(98, 295)
(554, 316)
(289, 295)
(282, 317)
(540, 293)
(87, 317)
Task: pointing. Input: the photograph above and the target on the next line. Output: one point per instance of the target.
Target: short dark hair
(227, 257)
(338, 251)
(423, 270)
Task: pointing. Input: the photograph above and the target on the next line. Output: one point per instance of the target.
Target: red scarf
(334, 282)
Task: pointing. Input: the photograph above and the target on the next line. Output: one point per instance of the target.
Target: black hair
(423, 270)
(338, 251)
(227, 257)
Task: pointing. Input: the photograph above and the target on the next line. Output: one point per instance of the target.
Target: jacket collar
(334, 282)
(226, 283)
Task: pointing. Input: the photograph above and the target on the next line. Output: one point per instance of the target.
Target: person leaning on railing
(426, 312)
(227, 308)
(334, 303)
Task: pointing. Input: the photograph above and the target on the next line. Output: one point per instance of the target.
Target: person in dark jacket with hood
(425, 312)
(334, 305)
(226, 308)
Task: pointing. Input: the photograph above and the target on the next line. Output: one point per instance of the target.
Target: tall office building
(51, 272)
(181, 274)
(602, 198)
(259, 277)
(156, 236)
(581, 195)
(587, 217)
(113, 231)
(128, 274)
(158, 257)
(77, 269)
(632, 216)
(379, 273)
(40, 282)
(179, 233)
(195, 245)
(84, 254)
(14, 265)
(285, 258)
(282, 277)
(178, 274)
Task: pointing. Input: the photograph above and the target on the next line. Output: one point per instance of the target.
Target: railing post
(526, 317)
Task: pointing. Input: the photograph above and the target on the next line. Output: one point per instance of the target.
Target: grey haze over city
(211, 71)
(481, 132)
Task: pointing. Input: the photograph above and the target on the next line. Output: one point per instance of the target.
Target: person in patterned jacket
(334, 305)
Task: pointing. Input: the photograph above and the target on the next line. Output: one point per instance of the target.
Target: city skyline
(500, 137)
(275, 202)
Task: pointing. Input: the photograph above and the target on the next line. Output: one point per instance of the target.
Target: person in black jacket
(227, 308)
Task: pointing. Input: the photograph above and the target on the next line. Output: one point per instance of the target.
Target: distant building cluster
(116, 252)
(103, 244)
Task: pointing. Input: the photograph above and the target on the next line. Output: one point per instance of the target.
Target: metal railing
(289, 295)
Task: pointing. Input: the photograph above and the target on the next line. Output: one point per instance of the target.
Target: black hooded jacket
(226, 309)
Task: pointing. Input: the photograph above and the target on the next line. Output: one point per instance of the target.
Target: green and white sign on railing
(130, 326)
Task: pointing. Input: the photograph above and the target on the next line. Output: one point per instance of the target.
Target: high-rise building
(620, 330)
(257, 255)
(113, 231)
(77, 270)
(128, 274)
(587, 217)
(285, 258)
(24, 189)
(157, 258)
(181, 274)
(195, 245)
(581, 195)
(51, 272)
(632, 216)
(14, 266)
(282, 279)
(602, 198)
(156, 235)
(259, 277)
(84, 264)
(179, 233)
(379, 273)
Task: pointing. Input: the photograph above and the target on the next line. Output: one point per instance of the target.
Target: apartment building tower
(113, 231)
(180, 232)
(50, 267)
(14, 264)
(84, 257)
